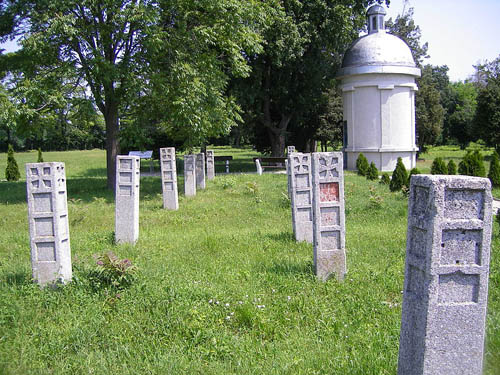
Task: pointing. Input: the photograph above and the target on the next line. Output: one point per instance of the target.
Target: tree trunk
(112, 143)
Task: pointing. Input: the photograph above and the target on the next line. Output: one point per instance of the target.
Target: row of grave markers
(447, 253)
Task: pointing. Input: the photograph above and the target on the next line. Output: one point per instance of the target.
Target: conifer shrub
(40, 157)
(465, 165)
(12, 170)
(494, 173)
(385, 180)
(439, 167)
(478, 168)
(362, 165)
(372, 172)
(399, 176)
(412, 172)
(452, 167)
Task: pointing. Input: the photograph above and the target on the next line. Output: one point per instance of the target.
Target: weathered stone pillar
(289, 151)
(258, 166)
(48, 222)
(210, 165)
(189, 175)
(127, 199)
(169, 178)
(446, 275)
(301, 196)
(200, 171)
(328, 215)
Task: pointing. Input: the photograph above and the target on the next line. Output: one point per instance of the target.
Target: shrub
(386, 180)
(12, 170)
(439, 167)
(372, 172)
(412, 172)
(113, 271)
(472, 164)
(362, 165)
(465, 165)
(40, 157)
(452, 167)
(494, 173)
(399, 177)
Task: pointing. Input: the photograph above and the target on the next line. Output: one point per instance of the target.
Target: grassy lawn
(222, 287)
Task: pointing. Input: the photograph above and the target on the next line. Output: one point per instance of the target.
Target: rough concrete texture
(169, 178)
(300, 181)
(127, 199)
(200, 171)
(446, 275)
(210, 165)
(48, 222)
(190, 175)
(258, 166)
(328, 215)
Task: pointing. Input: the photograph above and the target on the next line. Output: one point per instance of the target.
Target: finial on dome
(375, 15)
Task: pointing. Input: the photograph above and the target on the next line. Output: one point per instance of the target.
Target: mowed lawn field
(221, 285)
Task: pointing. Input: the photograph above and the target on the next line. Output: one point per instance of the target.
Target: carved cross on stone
(328, 167)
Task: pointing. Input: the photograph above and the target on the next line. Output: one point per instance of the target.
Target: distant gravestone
(127, 199)
(446, 275)
(190, 175)
(301, 196)
(290, 150)
(200, 171)
(169, 178)
(48, 222)
(258, 166)
(328, 215)
(210, 165)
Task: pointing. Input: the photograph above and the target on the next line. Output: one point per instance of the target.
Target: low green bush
(362, 165)
(439, 167)
(386, 179)
(12, 170)
(399, 176)
(372, 172)
(494, 173)
(452, 168)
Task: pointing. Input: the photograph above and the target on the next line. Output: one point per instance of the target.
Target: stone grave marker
(48, 222)
(200, 171)
(169, 178)
(210, 165)
(328, 215)
(127, 199)
(301, 196)
(189, 175)
(259, 167)
(289, 150)
(446, 275)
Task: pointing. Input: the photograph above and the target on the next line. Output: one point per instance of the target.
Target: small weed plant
(228, 182)
(375, 199)
(113, 271)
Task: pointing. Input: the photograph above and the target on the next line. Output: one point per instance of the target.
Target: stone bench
(225, 159)
(144, 155)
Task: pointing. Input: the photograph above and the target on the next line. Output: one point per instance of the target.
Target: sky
(460, 33)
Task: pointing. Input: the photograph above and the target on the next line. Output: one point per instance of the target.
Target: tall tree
(461, 108)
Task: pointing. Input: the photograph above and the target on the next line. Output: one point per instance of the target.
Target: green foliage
(412, 172)
(227, 182)
(399, 176)
(362, 165)
(472, 164)
(12, 170)
(375, 199)
(494, 172)
(452, 167)
(439, 167)
(386, 179)
(372, 172)
(40, 157)
(113, 271)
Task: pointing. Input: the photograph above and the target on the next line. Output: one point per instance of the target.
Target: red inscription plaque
(329, 192)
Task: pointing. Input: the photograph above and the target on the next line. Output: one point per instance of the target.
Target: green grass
(222, 287)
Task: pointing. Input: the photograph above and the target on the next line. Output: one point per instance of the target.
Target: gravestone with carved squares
(127, 199)
(169, 178)
(289, 150)
(210, 165)
(200, 171)
(446, 275)
(328, 215)
(48, 222)
(301, 196)
(189, 175)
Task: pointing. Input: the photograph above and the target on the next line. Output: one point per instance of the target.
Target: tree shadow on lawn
(281, 237)
(288, 268)
(17, 278)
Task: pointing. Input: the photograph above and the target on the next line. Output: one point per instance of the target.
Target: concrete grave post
(210, 165)
(190, 175)
(289, 151)
(446, 275)
(48, 222)
(328, 215)
(259, 167)
(301, 196)
(169, 178)
(127, 199)
(200, 171)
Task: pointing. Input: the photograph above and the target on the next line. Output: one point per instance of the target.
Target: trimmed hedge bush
(362, 165)
(439, 167)
(399, 176)
(494, 173)
(12, 170)
(452, 167)
(372, 172)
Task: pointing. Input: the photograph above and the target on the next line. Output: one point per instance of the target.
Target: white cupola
(378, 90)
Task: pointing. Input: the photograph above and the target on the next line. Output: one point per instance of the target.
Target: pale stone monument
(446, 275)
(48, 222)
(301, 196)
(127, 199)
(200, 171)
(189, 175)
(210, 165)
(328, 215)
(258, 166)
(378, 91)
(169, 178)
(289, 150)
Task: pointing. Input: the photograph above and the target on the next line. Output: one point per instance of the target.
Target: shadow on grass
(281, 237)
(292, 268)
(18, 279)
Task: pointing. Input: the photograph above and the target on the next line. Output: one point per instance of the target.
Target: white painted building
(378, 89)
